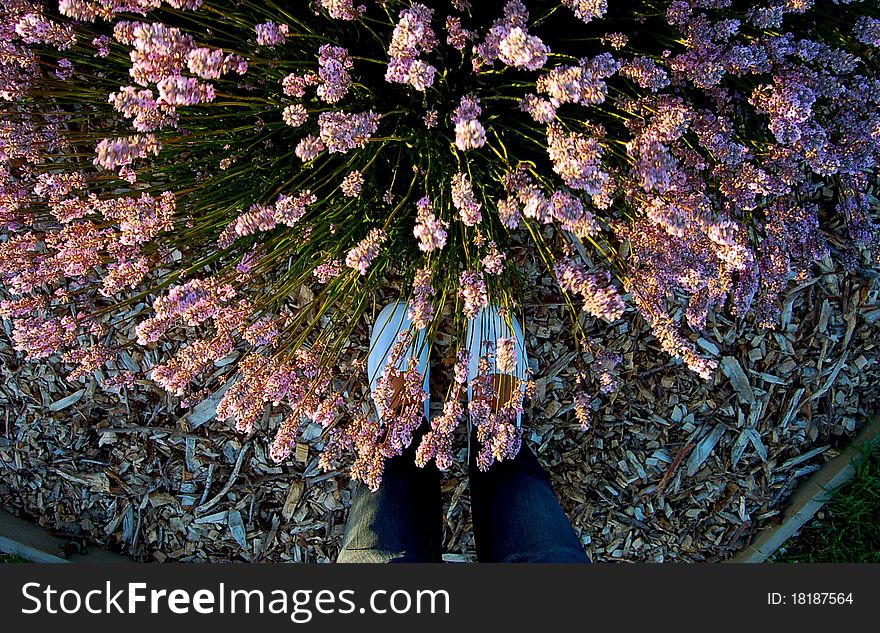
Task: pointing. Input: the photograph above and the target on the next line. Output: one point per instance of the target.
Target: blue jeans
(517, 518)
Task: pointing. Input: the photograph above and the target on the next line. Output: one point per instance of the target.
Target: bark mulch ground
(674, 469)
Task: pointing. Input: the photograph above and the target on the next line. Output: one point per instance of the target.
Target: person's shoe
(483, 334)
(393, 320)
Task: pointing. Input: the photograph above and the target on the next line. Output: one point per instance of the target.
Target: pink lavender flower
(473, 292)
(290, 209)
(327, 271)
(333, 66)
(341, 131)
(430, 231)
(519, 49)
(326, 412)
(541, 110)
(615, 40)
(569, 211)
(362, 255)
(469, 132)
(118, 152)
(421, 75)
(159, 51)
(587, 10)
(536, 205)
(143, 109)
(40, 337)
(464, 201)
(295, 115)
(309, 148)
(457, 36)
(120, 381)
(342, 9)
(431, 119)
(577, 159)
(176, 90)
(267, 380)
(34, 28)
(437, 444)
(57, 185)
(294, 85)
(287, 210)
(141, 218)
(421, 307)
(205, 63)
(258, 218)
(493, 261)
(509, 212)
(262, 332)
(271, 34)
(515, 17)
(193, 303)
(645, 72)
(400, 422)
(575, 84)
(64, 71)
(606, 364)
(582, 410)
(412, 36)
(654, 166)
(352, 184)
(102, 43)
(127, 269)
(460, 370)
(600, 298)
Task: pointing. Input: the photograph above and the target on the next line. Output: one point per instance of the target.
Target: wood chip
(63, 403)
(302, 453)
(704, 449)
(98, 482)
(294, 494)
(236, 527)
(734, 372)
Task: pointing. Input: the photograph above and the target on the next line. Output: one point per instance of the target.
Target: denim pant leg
(402, 522)
(517, 518)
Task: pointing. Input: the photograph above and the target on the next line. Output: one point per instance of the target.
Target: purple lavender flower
(421, 307)
(519, 49)
(362, 255)
(295, 115)
(309, 148)
(352, 184)
(464, 201)
(587, 10)
(333, 66)
(271, 34)
(473, 292)
(341, 131)
(430, 231)
(342, 9)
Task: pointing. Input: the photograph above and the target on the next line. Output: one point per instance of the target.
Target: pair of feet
(491, 336)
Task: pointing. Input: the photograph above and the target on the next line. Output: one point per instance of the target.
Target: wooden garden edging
(35, 544)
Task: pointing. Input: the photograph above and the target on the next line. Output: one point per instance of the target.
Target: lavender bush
(215, 159)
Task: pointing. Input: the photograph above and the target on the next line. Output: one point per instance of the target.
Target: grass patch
(9, 558)
(849, 532)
